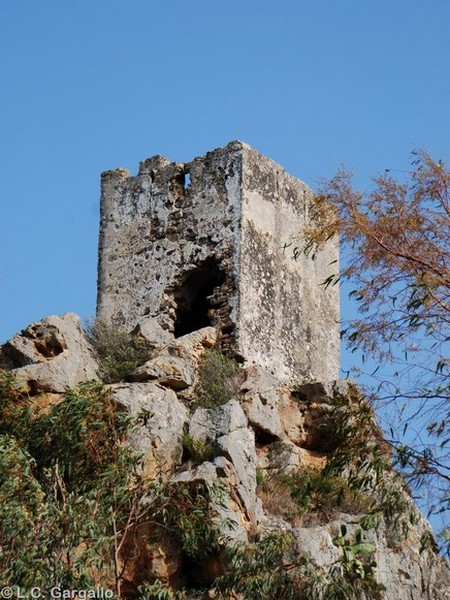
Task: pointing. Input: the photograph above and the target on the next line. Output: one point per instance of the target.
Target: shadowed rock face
(211, 242)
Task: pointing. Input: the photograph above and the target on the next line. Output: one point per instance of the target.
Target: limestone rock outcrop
(267, 428)
(151, 330)
(158, 437)
(175, 366)
(52, 355)
(226, 428)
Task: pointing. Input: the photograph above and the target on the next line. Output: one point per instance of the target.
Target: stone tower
(211, 242)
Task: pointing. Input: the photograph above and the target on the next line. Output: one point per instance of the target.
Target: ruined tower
(211, 242)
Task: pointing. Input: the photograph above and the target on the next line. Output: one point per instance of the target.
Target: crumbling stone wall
(210, 243)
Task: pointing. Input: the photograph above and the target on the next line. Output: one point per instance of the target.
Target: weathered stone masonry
(206, 243)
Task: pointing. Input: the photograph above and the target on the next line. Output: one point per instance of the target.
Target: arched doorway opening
(195, 297)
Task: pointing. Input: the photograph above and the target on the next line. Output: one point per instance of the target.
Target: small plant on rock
(322, 493)
(218, 379)
(355, 572)
(119, 352)
(197, 449)
(309, 494)
(363, 454)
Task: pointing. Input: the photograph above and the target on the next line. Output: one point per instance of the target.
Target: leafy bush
(22, 513)
(198, 450)
(69, 489)
(269, 568)
(16, 410)
(272, 568)
(155, 591)
(320, 492)
(84, 434)
(119, 352)
(365, 457)
(219, 379)
(355, 573)
(159, 591)
(184, 511)
(72, 499)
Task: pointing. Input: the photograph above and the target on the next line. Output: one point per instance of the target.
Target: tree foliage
(272, 567)
(70, 491)
(75, 508)
(74, 500)
(396, 256)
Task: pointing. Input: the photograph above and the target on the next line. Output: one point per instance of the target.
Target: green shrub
(83, 435)
(273, 568)
(160, 591)
(309, 494)
(72, 497)
(198, 450)
(155, 591)
(355, 573)
(118, 351)
(183, 511)
(362, 453)
(318, 491)
(68, 491)
(270, 567)
(16, 410)
(218, 379)
(23, 513)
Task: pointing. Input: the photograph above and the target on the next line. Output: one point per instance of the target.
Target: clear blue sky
(91, 85)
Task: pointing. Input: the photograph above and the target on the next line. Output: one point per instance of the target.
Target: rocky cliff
(293, 486)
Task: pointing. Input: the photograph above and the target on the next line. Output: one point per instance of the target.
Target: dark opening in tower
(196, 297)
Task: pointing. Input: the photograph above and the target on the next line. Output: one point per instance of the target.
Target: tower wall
(288, 322)
(210, 242)
(168, 225)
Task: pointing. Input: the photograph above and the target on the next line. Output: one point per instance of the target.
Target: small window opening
(184, 179)
(195, 298)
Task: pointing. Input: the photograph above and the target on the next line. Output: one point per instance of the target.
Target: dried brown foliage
(395, 242)
(398, 239)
